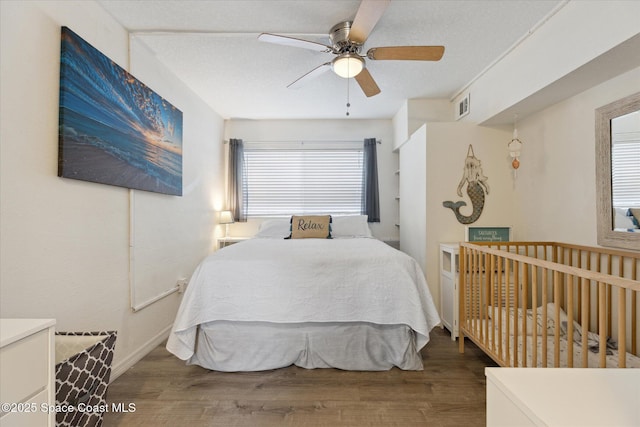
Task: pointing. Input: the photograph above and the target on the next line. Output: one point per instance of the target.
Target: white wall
(572, 51)
(428, 111)
(555, 197)
(416, 112)
(447, 146)
(439, 165)
(330, 130)
(64, 251)
(400, 124)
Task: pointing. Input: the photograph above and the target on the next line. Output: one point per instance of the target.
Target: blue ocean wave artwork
(113, 129)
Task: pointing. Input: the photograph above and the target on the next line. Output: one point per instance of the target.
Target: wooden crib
(573, 306)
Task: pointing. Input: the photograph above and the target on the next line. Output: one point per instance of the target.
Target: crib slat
(461, 296)
(570, 278)
(516, 301)
(609, 311)
(487, 277)
(602, 326)
(472, 290)
(472, 296)
(482, 266)
(585, 323)
(534, 305)
(499, 294)
(634, 322)
(634, 318)
(579, 289)
(545, 301)
(556, 318)
(609, 314)
(477, 288)
(502, 295)
(511, 345)
(622, 328)
(587, 306)
(525, 299)
(495, 303)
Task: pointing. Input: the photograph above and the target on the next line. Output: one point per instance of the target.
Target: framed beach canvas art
(113, 129)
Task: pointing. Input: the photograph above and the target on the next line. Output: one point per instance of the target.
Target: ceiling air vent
(462, 107)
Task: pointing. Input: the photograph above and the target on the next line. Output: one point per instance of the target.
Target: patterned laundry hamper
(83, 368)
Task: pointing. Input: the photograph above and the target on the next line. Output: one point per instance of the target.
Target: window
(625, 161)
(310, 178)
(625, 173)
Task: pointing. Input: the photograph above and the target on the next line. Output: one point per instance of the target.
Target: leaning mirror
(618, 173)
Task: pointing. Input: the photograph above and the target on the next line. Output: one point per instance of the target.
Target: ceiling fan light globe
(347, 65)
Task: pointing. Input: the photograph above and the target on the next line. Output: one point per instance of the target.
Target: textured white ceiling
(212, 46)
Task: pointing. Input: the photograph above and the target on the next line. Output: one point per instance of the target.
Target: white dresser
(563, 397)
(449, 269)
(27, 372)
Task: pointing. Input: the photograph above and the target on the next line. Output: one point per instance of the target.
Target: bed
(548, 304)
(350, 302)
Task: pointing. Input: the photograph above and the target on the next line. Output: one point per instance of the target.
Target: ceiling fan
(347, 39)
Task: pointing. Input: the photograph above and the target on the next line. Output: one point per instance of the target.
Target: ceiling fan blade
(293, 42)
(413, 53)
(369, 12)
(367, 84)
(321, 69)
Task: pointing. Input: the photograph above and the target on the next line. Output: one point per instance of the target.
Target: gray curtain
(237, 198)
(370, 197)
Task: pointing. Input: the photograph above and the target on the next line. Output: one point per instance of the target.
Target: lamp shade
(226, 217)
(347, 65)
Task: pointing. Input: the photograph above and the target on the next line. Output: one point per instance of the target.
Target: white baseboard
(137, 355)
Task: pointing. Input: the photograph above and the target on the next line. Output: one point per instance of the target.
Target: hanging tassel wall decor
(515, 147)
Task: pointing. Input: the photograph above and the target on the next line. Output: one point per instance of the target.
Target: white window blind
(625, 173)
(303, 179)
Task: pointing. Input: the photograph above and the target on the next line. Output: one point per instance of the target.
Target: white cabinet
(27, 372)
(449, 269)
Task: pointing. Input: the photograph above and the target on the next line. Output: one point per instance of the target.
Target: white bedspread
(305, 280)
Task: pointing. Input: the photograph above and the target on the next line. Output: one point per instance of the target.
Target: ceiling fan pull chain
(348, 103)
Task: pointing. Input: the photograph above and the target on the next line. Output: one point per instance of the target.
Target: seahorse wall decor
(476, 187)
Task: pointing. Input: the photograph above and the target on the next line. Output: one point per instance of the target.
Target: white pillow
(274, 228)
(350, 226)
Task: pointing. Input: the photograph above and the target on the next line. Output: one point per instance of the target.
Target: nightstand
(393, 243)
(227, 241)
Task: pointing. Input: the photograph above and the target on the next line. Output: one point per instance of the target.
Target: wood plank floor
(449, 392)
